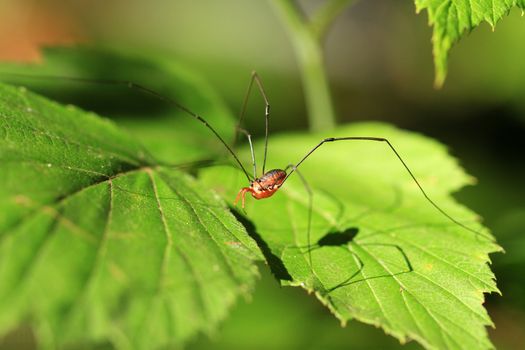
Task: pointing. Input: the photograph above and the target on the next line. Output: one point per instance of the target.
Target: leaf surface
(453, 18)
(99, 243)
(378, 251)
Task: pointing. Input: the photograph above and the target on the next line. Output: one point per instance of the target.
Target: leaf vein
(377, 299)
(189, 205)
(456, 267)
(417, 300)
(198, 285)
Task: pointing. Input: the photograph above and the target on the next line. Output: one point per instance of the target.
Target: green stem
(311, 64)
(325, 16)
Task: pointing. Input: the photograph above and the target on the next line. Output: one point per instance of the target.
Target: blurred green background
(379, 64)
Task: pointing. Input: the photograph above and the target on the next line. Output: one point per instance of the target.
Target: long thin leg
(381, 139)
(255, 78)
(310, 209)
(144, 89)
(249, 136)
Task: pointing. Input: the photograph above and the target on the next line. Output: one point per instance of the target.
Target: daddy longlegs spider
(269, 182)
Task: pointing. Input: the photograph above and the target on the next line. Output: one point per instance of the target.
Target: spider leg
(310, 209)
(398, 156)
(255, 78)
(240, 195)
(141, 88)
(249, 136)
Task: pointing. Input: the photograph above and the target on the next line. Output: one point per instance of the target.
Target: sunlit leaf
(379, 252)
(99, 243)
(451, 19)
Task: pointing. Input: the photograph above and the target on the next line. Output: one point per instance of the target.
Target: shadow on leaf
(346, 240)
(276, 264)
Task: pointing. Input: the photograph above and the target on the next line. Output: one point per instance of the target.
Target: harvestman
(267, 184)
(270, 181)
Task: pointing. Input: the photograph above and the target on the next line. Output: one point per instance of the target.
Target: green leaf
(453, 18)
(98, 243)
(151, 119)
(380, 252)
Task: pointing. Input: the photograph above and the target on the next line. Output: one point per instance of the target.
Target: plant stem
(311, 64)
(325, 16)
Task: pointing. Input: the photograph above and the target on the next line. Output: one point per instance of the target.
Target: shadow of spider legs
(345, 241)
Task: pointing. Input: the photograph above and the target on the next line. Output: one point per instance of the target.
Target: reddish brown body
(263, 187)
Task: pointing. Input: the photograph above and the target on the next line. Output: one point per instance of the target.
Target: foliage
(452, 19)
(380, 252)
(102, 241)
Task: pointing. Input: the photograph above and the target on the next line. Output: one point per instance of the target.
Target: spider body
(263, 187)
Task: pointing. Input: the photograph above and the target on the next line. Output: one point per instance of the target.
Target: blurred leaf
(510, 230)
(380, 252)
(143, 115)
(452, 19)
(295, 321)
(510, 266)
(98, 242)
